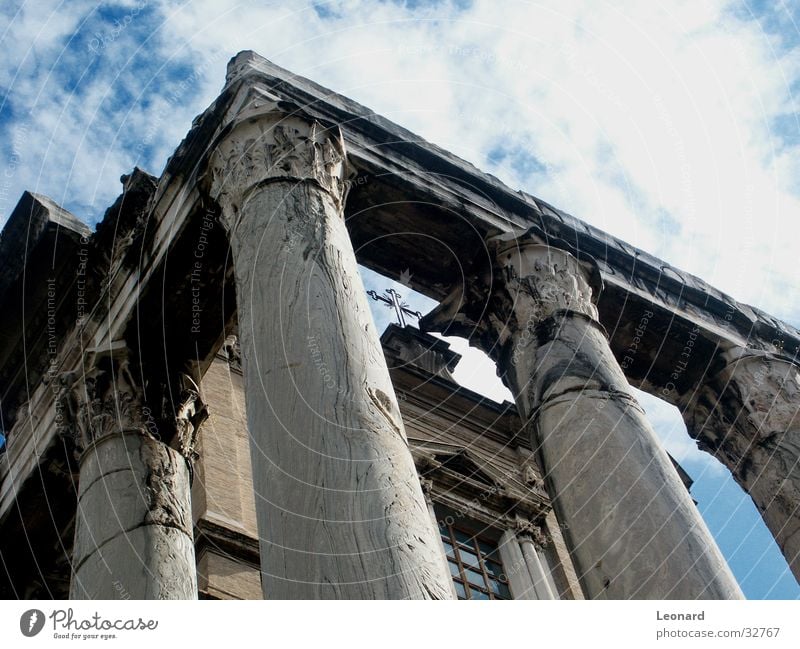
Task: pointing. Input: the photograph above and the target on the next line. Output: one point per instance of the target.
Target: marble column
(531, 539)
(547, 568)
(340, 509)
(747, 414)
(133, 529)
(515, 567)
(427, 492)
(632, 528)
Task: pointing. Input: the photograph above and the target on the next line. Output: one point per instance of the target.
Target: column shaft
(748, 416)
(133, 537)
(538, 576)
(427, 488)
(515, 567)
(548, 568)
(632, 528)
(340, 510)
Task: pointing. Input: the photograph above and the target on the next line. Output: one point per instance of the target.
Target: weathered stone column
(747, 414)
(531, 538)
(515, 567)
(340, 509)
(632, 528)
(427, 492)
(133, 532)
(547, 568)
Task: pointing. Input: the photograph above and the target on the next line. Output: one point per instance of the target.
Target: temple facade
(196, 402)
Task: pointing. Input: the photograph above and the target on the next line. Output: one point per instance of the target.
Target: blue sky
(672, 126)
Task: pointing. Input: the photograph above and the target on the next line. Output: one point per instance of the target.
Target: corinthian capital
(542, 279)
(530, 278)
(266, 142)
(190, 413)
(527, 529)
(752, 403)
(103, 399)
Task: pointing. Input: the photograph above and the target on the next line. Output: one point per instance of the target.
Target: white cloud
(655, 123)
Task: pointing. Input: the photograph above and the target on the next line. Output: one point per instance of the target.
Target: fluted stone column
(340, 509)
(747, 414)
(526, 575)
(515, 567)
(632, 528)
(531, 538)
(547, 568)
(133, 530)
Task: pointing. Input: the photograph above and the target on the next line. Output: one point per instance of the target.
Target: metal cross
(394, 301)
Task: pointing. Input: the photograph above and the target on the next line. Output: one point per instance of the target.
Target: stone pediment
(432, 457)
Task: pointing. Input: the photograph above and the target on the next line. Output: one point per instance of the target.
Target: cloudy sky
(671, 125)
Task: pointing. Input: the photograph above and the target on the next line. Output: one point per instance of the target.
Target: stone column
(747, 414)
(515, 567)
(547, 568)
(557, 562)
(427, 492)
(632, 528)
(531, 539)
(133, 531)
(340, 509)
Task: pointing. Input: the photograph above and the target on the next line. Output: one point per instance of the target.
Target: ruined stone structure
(197, 403)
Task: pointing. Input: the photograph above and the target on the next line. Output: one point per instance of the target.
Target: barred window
(474, 564)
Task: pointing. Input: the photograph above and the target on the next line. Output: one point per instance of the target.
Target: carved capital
(69, 402)
(233, 352)
(427, 487)
(528, 279)
(106, 398)
(768, 388)
(530, 478)
(190, 413)
(267, 142)
(751, 404)
(542, 279)
(524, 528)
(103, 399)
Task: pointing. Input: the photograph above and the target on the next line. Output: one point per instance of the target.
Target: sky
(672, 126)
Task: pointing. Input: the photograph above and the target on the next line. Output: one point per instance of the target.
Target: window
(474, 564)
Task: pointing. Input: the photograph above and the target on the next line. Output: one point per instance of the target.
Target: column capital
(100, 399)
(754, 393)
(528, 278)
(427, 489)
(527, 529)
(747, 414)
(190, 413)
(105, 398)
(267, 141)
(233, 352)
